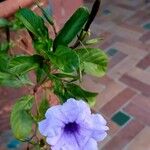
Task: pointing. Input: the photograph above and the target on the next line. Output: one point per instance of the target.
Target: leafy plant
(58, 64)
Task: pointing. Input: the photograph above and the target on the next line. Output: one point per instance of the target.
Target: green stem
(35, 89)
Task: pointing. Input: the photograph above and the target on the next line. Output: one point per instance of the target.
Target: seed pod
(72, 27)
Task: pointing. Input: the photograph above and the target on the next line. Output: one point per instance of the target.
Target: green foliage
(72, 27)
(43, 47)
(21, 120)
(93, 61)
(44, 105)
(92, 41)
(16, 24)
(7, 79)
(22, 64)
(59, 90)
(65, 59)
(55, 61)
(32, 22)
(4, 61)
(3, 22)
(46, 15)
(72, 90)
(77, 92)
(65, 75)
(40, 75)
(4, 47)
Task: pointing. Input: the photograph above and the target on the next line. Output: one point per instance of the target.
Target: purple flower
(71, 126)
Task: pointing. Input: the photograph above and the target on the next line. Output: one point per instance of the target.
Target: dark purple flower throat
(71, 127)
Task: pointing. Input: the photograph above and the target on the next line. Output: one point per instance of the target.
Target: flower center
(71, 127)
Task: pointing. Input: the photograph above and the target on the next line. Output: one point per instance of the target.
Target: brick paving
(124, 26)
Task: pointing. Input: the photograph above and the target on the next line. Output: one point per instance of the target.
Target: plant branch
(92, 16)
(37, 86)
(35, 89)
(28, 146)
(36, 103)
(54, 29)
(7, 34)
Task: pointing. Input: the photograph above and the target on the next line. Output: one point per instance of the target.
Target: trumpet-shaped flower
(71, 126)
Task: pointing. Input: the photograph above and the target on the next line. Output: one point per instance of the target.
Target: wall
(62, 9)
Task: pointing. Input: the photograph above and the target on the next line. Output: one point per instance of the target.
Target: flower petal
(99, 136)
(66, 142)
(55, 112)
(92, 127)
(49, 127)
(99, 128)
(70, 109)
(53, 122)
(83, 136)
(97, 118)
(43, 125)
(85, 112)
(91, 145)
(52, 140)
(75, 110)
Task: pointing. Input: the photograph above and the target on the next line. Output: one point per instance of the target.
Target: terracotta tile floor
(124, 97)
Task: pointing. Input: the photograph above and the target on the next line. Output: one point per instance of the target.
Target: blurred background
(124, 93)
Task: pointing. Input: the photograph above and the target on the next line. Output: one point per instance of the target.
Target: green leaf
(92, 41)
(93, 61)
(10, 80)
(72, 27)
(65, 59)
(64, 75)
(16, 24)
(32, 22)
(59, 90)
(46, 15)
(4, 61)
(4, 47)
(37, 29)
(21, 121)
(71, 90)
(44, 105)
(3, 22)
(43, 47)
(77, 92)
(57, 85)
(40, 75)
(22, 64)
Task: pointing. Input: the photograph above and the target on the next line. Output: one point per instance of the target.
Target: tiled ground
(124, 97)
